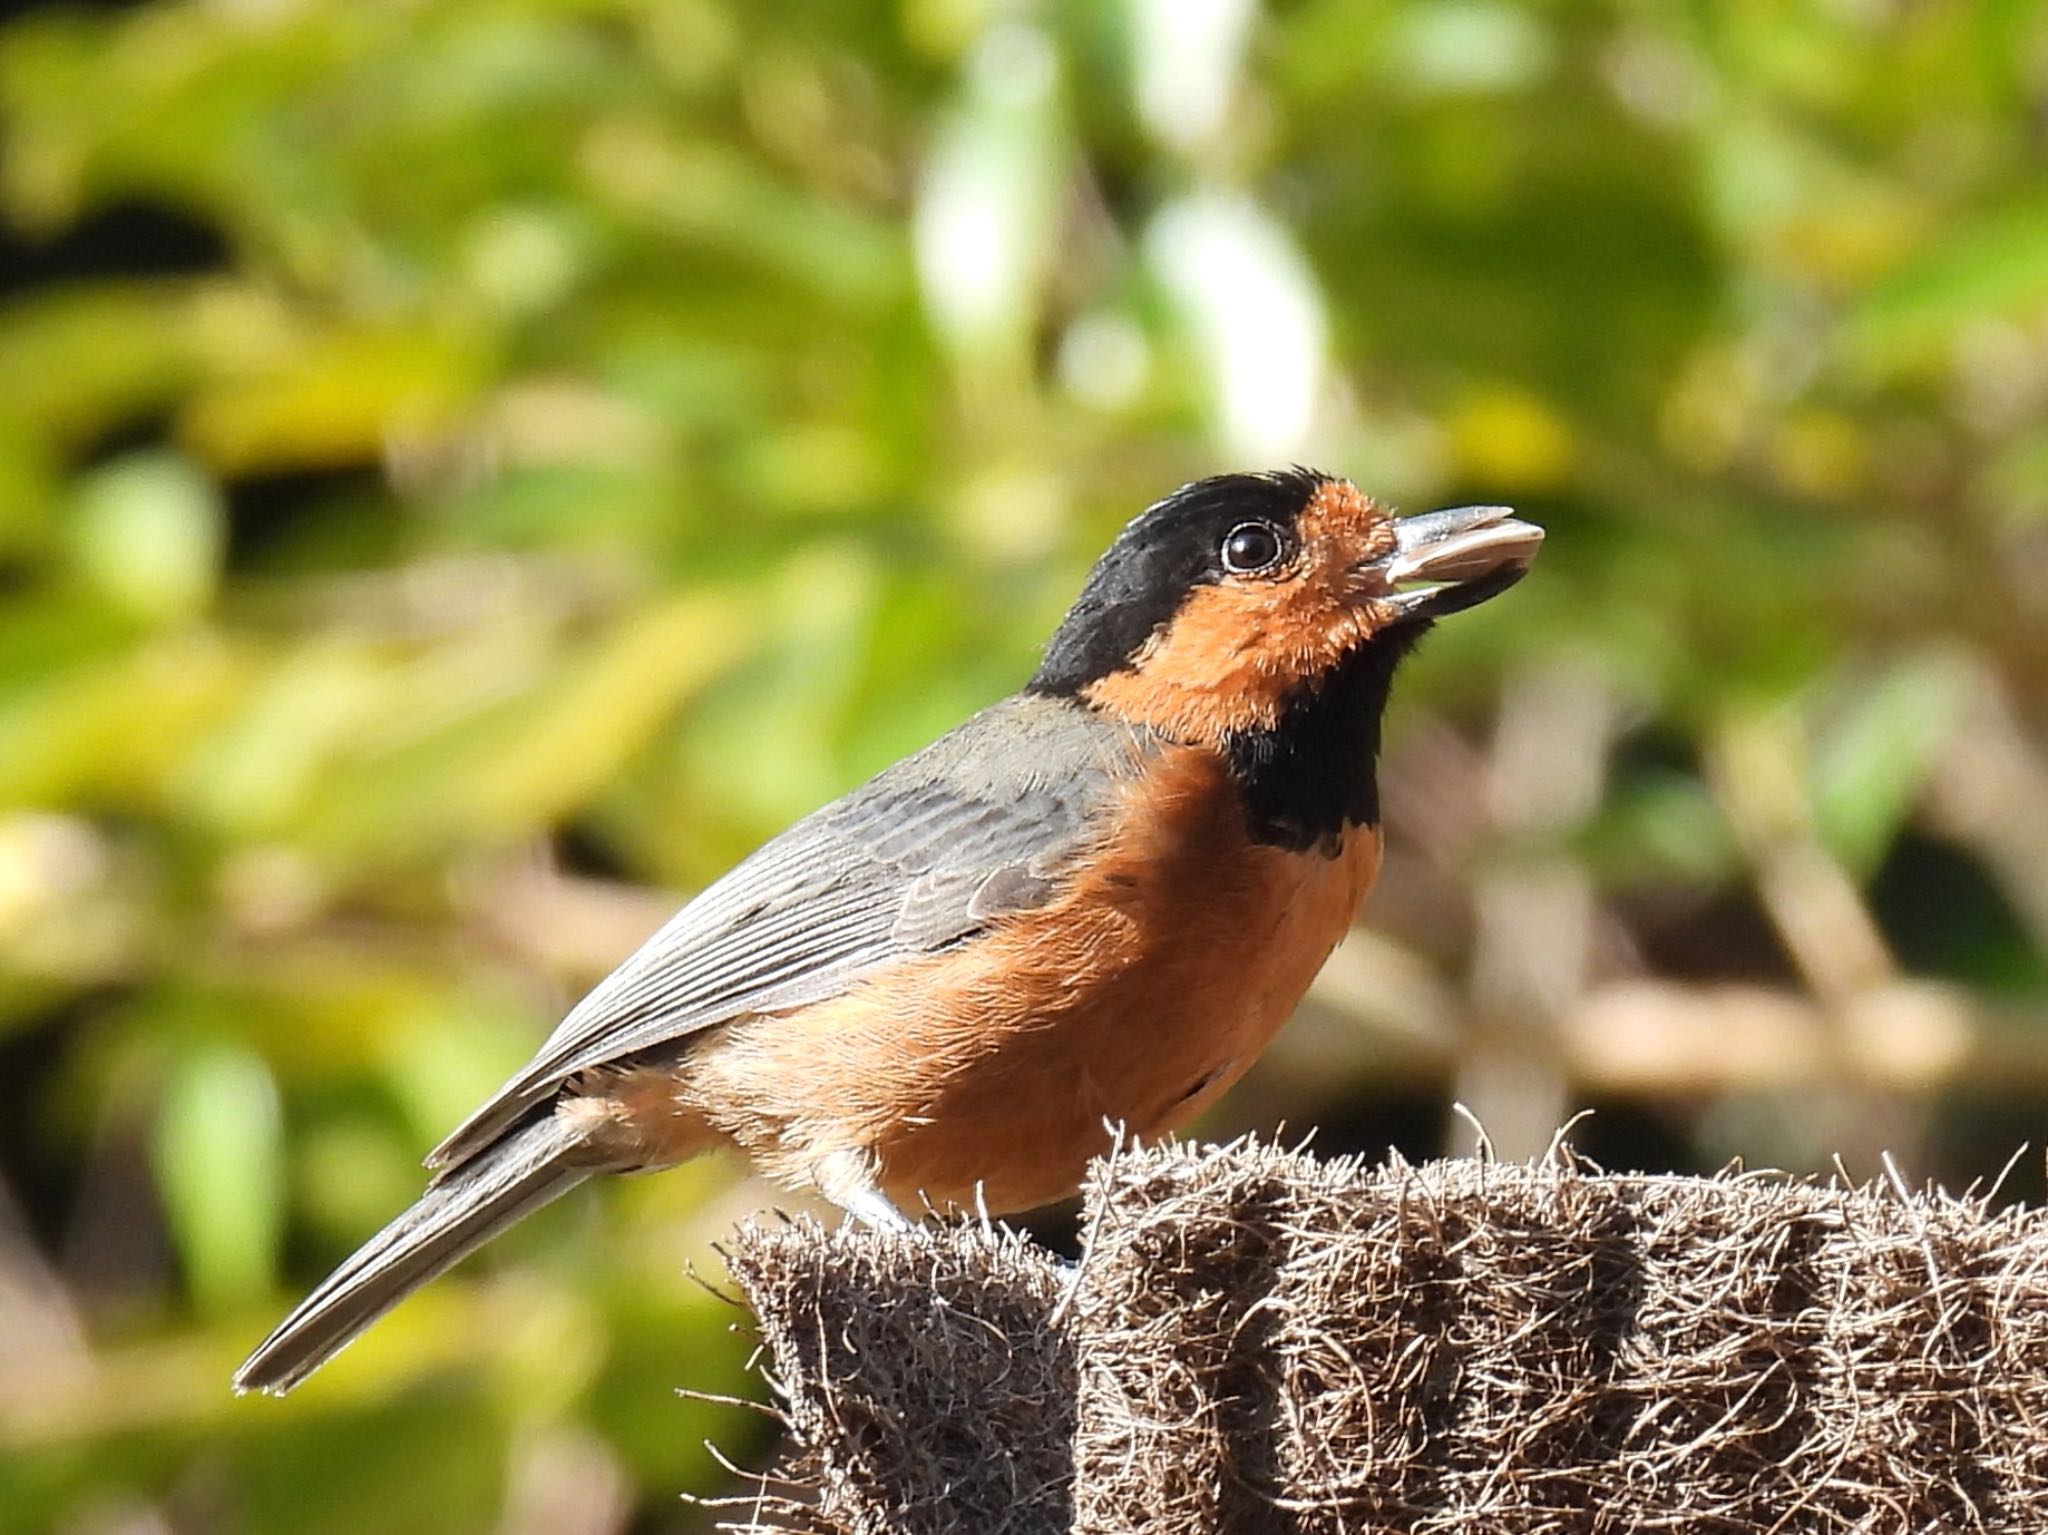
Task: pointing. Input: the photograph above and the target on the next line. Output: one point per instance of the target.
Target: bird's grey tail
(461, 1211)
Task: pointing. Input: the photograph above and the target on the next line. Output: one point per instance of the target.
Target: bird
(1090, 906)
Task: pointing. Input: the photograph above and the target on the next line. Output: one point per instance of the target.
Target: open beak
(1444, 562)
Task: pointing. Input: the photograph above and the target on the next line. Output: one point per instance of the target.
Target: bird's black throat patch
(1317, 771)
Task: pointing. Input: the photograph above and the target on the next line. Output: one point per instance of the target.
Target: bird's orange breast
(1136, 997)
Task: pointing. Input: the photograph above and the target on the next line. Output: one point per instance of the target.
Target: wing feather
(978, 825)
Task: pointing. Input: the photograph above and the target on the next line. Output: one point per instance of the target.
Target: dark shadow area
(130, 238)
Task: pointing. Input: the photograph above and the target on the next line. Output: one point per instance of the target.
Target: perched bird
(1094, 902)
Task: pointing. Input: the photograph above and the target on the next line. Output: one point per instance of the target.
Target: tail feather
(459, 1213)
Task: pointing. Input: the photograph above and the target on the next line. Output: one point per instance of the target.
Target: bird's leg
(871, 1207)
(847, 1178)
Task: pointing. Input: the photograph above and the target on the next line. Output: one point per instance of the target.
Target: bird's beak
(1466, 555)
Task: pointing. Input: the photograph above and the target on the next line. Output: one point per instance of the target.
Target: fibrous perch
(1260, 1341)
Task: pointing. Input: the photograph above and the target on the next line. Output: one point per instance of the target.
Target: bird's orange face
(1221, 604)
(1291, 600)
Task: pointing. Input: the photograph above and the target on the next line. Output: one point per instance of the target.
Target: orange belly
(1135, 999)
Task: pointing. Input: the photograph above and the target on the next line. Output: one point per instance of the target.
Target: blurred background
(469, 469)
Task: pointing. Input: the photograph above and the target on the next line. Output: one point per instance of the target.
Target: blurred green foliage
(462, 461)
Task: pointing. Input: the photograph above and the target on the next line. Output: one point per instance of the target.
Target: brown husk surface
(1262, 1342)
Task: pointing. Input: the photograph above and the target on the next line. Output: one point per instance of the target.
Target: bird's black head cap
(1163, 553)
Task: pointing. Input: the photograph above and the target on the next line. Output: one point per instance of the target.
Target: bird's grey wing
(981, 823)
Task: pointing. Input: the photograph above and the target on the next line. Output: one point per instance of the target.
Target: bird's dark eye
(1251, 547)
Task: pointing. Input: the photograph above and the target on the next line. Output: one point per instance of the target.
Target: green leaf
(147, 532)
(1869, 766)
(219, 1157)
(1987, 267)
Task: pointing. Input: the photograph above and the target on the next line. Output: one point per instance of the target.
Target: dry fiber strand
(1259, 1341)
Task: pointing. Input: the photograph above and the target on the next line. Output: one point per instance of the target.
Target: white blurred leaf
(1254, 313)
(1186, 55)
(1469, 46)
(990, 194)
